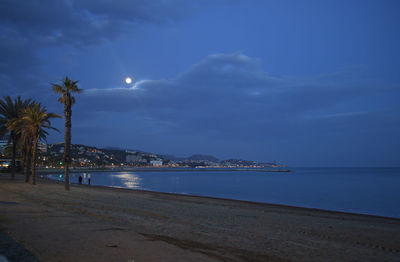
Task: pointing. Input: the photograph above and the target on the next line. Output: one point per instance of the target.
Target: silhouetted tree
(10, 111)
(34, 122)
(67, 87)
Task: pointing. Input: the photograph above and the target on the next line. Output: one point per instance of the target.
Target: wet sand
(107, 224)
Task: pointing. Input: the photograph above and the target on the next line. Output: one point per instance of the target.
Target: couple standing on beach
(81, 178)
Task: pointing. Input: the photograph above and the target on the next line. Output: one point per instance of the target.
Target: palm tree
(34, 121)
(10, 111)
(25, 144)
(67, 87)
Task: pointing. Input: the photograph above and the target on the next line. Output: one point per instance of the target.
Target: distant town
(83, 156)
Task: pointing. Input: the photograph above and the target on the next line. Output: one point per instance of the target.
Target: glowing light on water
(129, 180)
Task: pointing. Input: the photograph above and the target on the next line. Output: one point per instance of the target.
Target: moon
(128, 80)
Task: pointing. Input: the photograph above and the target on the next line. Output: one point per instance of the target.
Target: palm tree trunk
(14, 154)
(28, 169)
(34, 150)
(28, 161)
(23, 158)
(67, 142)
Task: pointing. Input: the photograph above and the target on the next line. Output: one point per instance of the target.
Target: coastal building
(3, 144)
(5, 163)
(157, 162)
(42, 147)
(131, 152)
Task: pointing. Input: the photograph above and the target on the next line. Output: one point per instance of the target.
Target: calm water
(373, 191)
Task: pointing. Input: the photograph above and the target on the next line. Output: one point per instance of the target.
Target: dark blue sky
(310, 83)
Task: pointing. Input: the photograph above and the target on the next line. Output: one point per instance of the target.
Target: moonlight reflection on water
(129, 180)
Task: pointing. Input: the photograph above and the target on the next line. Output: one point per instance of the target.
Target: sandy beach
(107, 224)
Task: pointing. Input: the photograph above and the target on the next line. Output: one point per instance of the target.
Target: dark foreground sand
(103, 224)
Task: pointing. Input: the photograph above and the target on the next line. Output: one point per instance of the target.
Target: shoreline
(122, 224)
(160, 169)
(265, 204)
(45, 177)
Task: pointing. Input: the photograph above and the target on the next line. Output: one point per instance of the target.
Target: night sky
(306, 83)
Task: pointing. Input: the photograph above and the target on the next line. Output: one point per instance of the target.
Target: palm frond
(58, 89)
(52, 128)
(66, 87)
(35, 120)
(54, 115)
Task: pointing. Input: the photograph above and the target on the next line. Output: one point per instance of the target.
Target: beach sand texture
(105, 224)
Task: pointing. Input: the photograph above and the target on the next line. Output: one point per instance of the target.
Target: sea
(373, 191)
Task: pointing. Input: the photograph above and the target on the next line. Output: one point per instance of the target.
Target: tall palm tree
(25, 143)
(10, 111)
(34, 121)
(67, 87)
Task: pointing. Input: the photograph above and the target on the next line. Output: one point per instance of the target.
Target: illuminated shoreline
(161, 169)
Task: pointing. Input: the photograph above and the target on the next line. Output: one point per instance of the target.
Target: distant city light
(128, 80)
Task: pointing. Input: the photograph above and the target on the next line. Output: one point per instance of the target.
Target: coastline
(289, 189)
(146, 226)
(157, 169)
(312, 209)
(263, 204)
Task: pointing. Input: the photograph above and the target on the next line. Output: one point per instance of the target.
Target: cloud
(86, 21)
(227, 105)
(29, 27)
(230, 96)
(215, 80)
